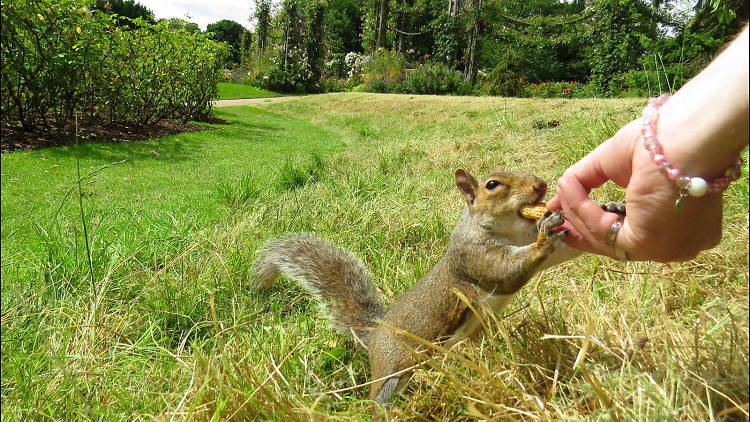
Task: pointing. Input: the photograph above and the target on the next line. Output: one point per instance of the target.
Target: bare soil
(91, 130)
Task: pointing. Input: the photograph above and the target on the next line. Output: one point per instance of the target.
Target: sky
(202, 12)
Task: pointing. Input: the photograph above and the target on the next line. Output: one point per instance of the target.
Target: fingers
(611, 160)
(590, 223)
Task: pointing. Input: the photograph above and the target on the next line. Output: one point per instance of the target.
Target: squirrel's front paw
(548, 222)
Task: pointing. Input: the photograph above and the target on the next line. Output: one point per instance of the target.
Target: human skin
(702, 129)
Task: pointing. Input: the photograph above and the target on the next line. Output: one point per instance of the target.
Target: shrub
(435, 78)
(58, 58)
(280, 80)
(557, 89)
(331, 84)
(384, 71)
(502, 81)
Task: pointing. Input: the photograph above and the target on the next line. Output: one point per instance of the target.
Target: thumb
(611, 160)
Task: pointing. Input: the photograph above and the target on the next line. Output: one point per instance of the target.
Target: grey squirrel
(493, 251)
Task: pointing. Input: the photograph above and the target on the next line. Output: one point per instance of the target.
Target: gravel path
(250, 101)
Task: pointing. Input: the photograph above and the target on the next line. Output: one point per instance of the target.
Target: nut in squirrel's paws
(548, 222)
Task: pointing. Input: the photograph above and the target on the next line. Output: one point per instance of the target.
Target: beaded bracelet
(692, 186)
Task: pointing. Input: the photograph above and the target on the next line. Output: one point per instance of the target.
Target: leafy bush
(384, 71)
(279, 80)
(502, 81)
(330, 84)
(58, 58)
(435, 78)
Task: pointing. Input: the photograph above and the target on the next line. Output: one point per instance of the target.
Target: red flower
(522, 81)
(567, 91)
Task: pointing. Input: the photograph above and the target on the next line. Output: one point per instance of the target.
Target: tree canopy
(230, 32)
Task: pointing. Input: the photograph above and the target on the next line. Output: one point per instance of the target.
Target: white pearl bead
(698, 186)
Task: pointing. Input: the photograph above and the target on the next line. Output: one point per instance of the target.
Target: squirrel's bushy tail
(334, 276)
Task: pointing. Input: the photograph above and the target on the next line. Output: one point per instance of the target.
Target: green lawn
(228, 91)
(168, 327)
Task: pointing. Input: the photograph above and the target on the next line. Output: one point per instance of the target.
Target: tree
(177, 24)
(245, 45)
(263, 22)
(619, 30)
(381, 23)
(314, 43)
(125, 8)
(230, 32)
(343, 24)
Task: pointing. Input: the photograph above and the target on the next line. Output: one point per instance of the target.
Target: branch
(409, 33)
(521, 22)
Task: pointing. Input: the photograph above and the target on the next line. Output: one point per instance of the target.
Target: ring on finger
(612, 237)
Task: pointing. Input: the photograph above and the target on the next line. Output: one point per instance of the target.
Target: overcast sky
(202, 12)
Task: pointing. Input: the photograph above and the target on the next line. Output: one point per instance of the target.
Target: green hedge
(58, 58)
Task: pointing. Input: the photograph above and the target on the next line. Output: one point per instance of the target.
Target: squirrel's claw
(549, 221)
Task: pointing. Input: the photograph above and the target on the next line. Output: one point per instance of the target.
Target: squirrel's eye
(492, 184)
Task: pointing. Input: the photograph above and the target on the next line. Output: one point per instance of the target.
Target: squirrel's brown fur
(493, 251)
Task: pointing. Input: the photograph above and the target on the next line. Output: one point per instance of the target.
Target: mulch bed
(91, 130)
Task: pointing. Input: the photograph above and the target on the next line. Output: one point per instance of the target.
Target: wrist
(703, 128)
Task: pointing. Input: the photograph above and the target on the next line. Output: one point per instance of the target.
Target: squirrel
(493, 252)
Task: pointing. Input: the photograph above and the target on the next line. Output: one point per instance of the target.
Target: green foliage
(280, 80)
(333, 84)
(542, 40)
(59, 59)
(177, 24)
(502, 81)
(384, 71)
(262, 17)
(435, 78)
(314, 46)
(570, 89)
(620, 27)
(230, 32)
(450, 37)
(342, 22)
(126, 9)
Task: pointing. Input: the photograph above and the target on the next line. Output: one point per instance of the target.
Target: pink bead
(659, 159)
(648, 132)
(673, 173)
(649, 112)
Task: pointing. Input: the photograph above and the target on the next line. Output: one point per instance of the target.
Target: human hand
(653, 229)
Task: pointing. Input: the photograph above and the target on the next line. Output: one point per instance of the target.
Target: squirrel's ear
(467, 184)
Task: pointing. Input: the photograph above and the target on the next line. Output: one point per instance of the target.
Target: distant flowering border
(571, 89)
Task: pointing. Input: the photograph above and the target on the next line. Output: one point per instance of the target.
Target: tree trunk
(381, 23)
(469, 75)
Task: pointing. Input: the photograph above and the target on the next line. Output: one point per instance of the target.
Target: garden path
(246, 101)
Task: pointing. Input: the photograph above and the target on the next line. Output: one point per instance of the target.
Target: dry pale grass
(593, 339)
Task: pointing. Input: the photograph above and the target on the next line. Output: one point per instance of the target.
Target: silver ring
(612, 235)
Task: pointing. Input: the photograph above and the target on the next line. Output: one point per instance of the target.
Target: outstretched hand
(653, 229)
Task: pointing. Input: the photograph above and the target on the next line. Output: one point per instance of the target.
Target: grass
(172, 330)
(230, 91)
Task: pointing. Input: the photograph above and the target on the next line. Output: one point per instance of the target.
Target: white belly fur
(484, 306)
